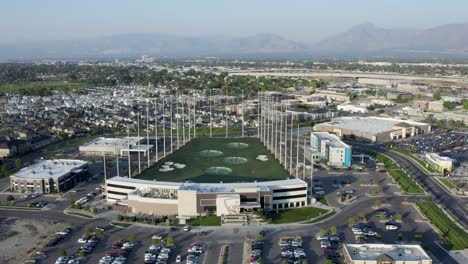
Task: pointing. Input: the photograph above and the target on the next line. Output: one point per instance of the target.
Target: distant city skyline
(305, 21)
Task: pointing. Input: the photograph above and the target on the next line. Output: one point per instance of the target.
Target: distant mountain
(367, 38)
(361, 40)
(136, 44)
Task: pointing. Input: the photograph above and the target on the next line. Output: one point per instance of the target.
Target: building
(442, 164)
(399, 96)
(48, 176)
(114, 146)
(188, 199)
(437, 106)
(352, 108)
(385, 254)
(332, 149)
(372, 129)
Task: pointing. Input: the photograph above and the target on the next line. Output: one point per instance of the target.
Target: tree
(383, 217)
(88, 230)
(398, 217)
(437, 95)
(449, 105)
(81, 254)
(352, 221)
(4, 169)
(400, 237)
(465, 104)
(86, 208)
(259, 237)
(170, 241)
(333, 229)
(418, 237)
(328, 261)
(362, 216)
(71, 224)
(63, 253)
(94, 210)
(10, 198)
(377, 203)
(132, 238)
(323, 232)
(155, 241)
(18, 163)
(99, 233)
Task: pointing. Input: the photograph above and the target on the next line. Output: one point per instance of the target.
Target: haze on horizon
(300, 20)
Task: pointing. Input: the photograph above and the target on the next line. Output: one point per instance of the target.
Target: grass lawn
(210, 220)
(448, 183)
(80, 215)
(122, 225)
(458, 237)
(31, 87)
(196, 164)
(323, 201)
(321, 218)
(406, 182)
(18, 207)
(296, 215)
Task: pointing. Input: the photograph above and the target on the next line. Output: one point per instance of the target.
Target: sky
(300, 20)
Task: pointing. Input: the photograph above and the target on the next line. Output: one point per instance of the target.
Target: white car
(391, 227)
(178, 259)
(34, 195)
(186, 228)
(82, 240)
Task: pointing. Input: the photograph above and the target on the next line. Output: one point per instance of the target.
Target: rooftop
(398, 252)
(370, 125)
(49, 169)
(112, 142)
(333, 140)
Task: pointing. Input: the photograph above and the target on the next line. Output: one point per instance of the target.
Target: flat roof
(436, 156)
(370, 124)
(112, 142)
(334, 140)
(211, 187)
(47, 169)
(398, 252)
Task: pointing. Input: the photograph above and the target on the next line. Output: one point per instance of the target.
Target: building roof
(112, 142)
(49, 169)
(212, 187)
(370, 124)
(397, 252)
(333, 140)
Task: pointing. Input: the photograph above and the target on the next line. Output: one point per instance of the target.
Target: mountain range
(361, 40)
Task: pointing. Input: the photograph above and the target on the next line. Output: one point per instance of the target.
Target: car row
(292, 250)
(256, 251)
(330, 246)
(119, 254)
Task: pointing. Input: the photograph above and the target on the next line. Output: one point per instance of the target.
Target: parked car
(187, 228)
(178, 259)
(390, 226)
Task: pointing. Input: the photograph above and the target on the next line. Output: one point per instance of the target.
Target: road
(453, 204)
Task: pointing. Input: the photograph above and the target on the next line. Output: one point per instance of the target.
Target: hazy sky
(303, 20)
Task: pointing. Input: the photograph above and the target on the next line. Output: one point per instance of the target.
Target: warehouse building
(385, 254)
(114, 146)
(440, 163)
(188, 199)
(372, 129)
(48, 176)
(331, 148)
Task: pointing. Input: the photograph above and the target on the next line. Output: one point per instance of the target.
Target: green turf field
(197, 160)
(34, 88)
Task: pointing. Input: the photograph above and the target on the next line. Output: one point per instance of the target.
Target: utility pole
(117, 159)
(259, 123)
(281, 134)
(195, 118)
(183, 123)
(304, 158)
(177, 116)
(226, 112)
(156, 138)
(276, 128)
(105, 169)
(286, 140)
(291, 146)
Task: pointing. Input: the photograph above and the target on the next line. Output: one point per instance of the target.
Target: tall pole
(195, 118)
(128, 153)
(189, 110)
(183, 123)
(147, 132)
(311, 174)
(304, 158)
(276, 128)
(226, 112)
(297, 153)
(291, 146)
(268, 112)
(211, 120)
(177, 120)
(259, 123)
(117, 160)
(172, 145)
(164, 126)
(156, 139)
(105, 169)
(286, 139)
(281, 134)
(138, 143)
(242, 100)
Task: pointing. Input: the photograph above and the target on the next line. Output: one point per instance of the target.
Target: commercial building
(440, 163)
(188, 199)
(399, 96)
(48, 176)
(114, 146)
(372, 129)
(331, 148)
(385, 254)
(352, 108)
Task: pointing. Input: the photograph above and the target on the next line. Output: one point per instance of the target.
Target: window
(121, 186)
(290, 197)
(290, 190)
(303, 203)
(286, 205)
(116, 193)
(274, 206)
